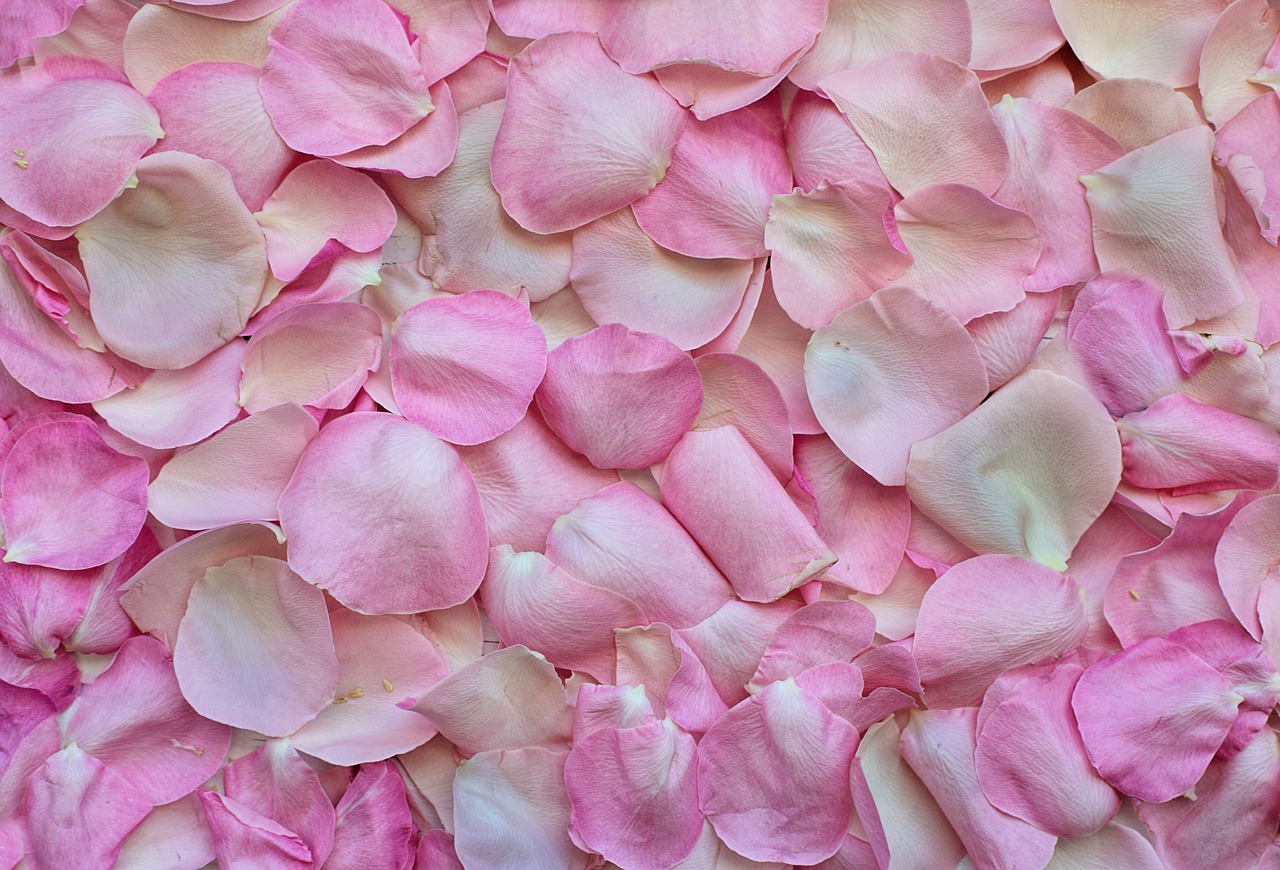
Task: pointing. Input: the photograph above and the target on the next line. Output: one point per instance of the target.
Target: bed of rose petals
(563, 434)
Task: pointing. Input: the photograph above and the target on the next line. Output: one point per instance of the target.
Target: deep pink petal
(374, 827)
(244, 837)
(737, 392)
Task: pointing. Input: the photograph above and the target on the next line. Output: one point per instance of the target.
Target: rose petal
(1234, 51)
(374, 827)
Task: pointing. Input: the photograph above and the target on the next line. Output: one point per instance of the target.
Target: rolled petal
(830, 250)
(70, 501)
(715, 196)
(1233, 53)
(971, 255)
(1152, 716)
(342, 75)
(724, 494)
(1244, 147)
(610, 375)
(626, 542)
(175, 265)
(254, 649)
(816, 634)
(395, 478)
(888, 372)
(1026, 473)
(533, 602)
(134, 719)
(1245, 559)
(1154, 213)
(926, 120)
(81, 133)
(374, 827)
(580, 138)
(196, 105)
(986, 615)
(773, 776)
(508, 699)
(939, 746)
(465, 368)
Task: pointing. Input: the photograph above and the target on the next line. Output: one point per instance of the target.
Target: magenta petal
(375, 830)
(466, 367)
(1152, 717)
(610, 375)
(393, 476)
(70, 501)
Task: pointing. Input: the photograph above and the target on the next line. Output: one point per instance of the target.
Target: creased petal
(277, 782)
(242, 836)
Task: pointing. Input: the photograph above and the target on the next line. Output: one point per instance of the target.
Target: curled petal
(1245, 147)
(1234, 52)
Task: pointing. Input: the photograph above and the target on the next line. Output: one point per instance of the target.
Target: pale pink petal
(336, 280)
(1152, 717)
(731, 641)
(428, 774)
(1112, 537)
(777, 344)
(1049, 82)
(903, 822)
(450, 32)
(426, 148)
(374, 828)
(342, 75)
(715, 196)
(733, 506)
(22, 25)
(624, 541)
(161, 40)
(512, 812)
(156, 596)
(365, 482)
(175, 836)
(80, 135)
(1246, 561)
(97, 30)
(989, 614)
(70, 501)
(505, 700)
(830, 249)
(611, 376)
(134, 719)
(710, 853)
(470, 242)
(859, 32)
(1007, 340)
(773, 776)
(633, 794)
(79, 811)
(537, 18)
(277, 782)
(580, 138)
(465, 367)
(1154, 213)
(623, 276)
(1259, 262)
(673, 677)
(1011, 34)
(823, 147)
(1114, 846)
(243, 837)
(897, 606)
(534, 602)
(1245, 147)
(1030, 760)
(1049, 149)
(818, 633)
(1143, 40)
(231, 10)
(175, 265)
(1135, 112)
(970, 254)
(736, 391)
(1026, 473)
(1234, 52)
(317, 204)
(254, 649)
(939, 746)
(177, 407)
(213, 110)
(926, 120)
(709, 91)
(888, 372)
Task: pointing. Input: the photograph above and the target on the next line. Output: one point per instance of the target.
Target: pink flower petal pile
(639, 434)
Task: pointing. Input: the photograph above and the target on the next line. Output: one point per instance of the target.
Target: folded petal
(507, 699)
(213, 110)
(816, 634)
(1152, 716)
(610, 375)
(70, 501)
(625, 541)
(773, 776)
(374, 829)
(731, 641)
(926, 120)
(1244, 146)
(1154, 213)
(1026, 473)
(364, 483)
(722, 492)
(175, 265)
(970, 254)
(254, 649)
(580, 138)
(1245, 559)
(244, 837)
(829, 249)
(888, 372)
(737, 392)
(674, 679)
(1233, 53)
(342, 75)
(465, 367)
(134, 719)
(277, 782)
(80, 133)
